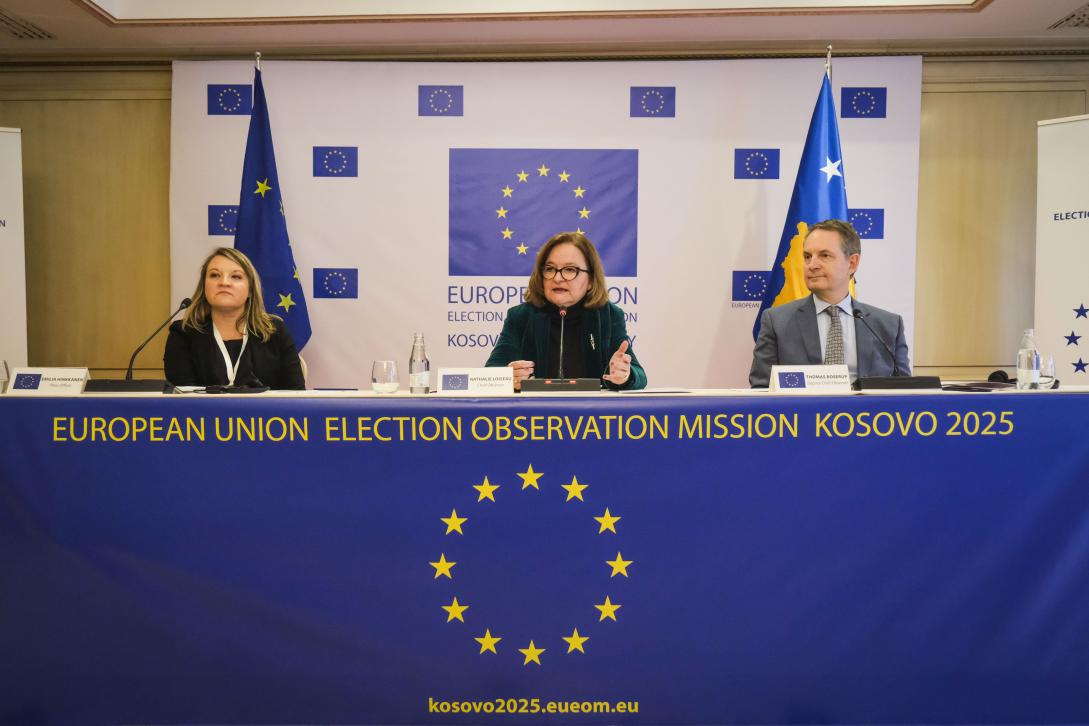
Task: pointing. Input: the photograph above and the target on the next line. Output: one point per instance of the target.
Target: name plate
(475, 381)
(47, 381)
(810, 379)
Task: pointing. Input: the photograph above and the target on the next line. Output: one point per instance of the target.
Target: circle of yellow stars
(860, 218)
(341, 161)
(434, 97)
(335, 283)
(523, 177)
(225, 214)
(234, 104)
(606, 523)
(659, 101)
(750, 166)
(868, 97)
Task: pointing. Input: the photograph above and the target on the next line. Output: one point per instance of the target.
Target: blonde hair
(596, 294)
(257, 321)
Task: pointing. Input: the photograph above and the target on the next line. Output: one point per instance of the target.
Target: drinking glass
(384, 376)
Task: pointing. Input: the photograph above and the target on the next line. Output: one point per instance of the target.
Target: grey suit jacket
(788, 336)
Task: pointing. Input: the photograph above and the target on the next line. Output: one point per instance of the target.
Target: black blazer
(192, 358)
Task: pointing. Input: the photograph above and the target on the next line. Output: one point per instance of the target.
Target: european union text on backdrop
(653, 101)
(863, 102)
(441, 101)
(506, 203)
(223, 219)
(869, 223)
(336, 161)
(336, 282)
(749, 285)
(232, 100)
(756, 163)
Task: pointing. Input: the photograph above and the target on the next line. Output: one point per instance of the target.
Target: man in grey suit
(825, 326)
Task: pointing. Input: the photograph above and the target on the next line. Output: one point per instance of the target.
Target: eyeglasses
(566, 274)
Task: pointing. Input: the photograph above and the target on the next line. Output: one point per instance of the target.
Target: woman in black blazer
(226, 337)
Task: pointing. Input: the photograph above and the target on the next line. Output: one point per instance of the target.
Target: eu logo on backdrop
(756, 163)
(336, 161)
(653, 101)
(336, 282)
(869, 223)
(441, 101)
(230, 100)
(506, 203)
(749, 285)
(223, 219)
(863, 102)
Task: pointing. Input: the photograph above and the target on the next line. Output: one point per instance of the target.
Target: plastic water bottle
(1028, 362)
(419, 369)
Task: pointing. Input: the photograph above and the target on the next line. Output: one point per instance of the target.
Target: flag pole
(257, 57)
(827, 62)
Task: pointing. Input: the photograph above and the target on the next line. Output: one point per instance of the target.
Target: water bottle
(419, 369)
(1028, 362)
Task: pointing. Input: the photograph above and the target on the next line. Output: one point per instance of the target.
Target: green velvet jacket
(525, 337)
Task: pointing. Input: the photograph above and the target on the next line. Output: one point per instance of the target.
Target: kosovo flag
(262, 225)
(819, 194)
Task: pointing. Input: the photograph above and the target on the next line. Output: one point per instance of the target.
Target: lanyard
(232, 371)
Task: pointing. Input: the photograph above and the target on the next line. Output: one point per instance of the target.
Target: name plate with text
(494, 381)
(47, 381)
(810, 379)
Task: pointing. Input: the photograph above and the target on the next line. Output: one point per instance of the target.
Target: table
(699, 558)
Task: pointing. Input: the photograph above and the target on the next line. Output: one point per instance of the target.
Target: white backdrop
(697, 223)
(12, 256)
(1062, 246)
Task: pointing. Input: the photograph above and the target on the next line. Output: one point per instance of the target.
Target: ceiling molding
(103, 15)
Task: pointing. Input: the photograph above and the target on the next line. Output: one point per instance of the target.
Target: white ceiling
(136, 30)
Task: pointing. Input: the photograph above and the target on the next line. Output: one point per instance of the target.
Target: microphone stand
(896, 380)
(128, 385)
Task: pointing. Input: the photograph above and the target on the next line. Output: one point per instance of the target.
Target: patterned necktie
(833, 352)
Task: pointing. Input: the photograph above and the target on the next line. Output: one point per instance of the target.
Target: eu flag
(229, 100)
(819, 194)
(506, 203)
(749, 285)
(863, 102)
(222, 219)
(336, 161)
(340, 282)
(791, 380)
(441, 101)
(262, 225)
(756, 163)
(869, 223)
(653, 101)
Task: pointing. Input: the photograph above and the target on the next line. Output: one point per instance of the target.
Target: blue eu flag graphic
(653, 101)
(27, 381)
(819, 194)
(342, 282)
(506, 203)
(869, 223)
(230, 100)
(863, 102)
(455, 382)
(223, 219)
(262, 224)
(749, 285)
(336, 161)
(756, 163)
(791, 380)
(441, 101)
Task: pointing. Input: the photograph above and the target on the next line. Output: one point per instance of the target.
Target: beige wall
(96, 147)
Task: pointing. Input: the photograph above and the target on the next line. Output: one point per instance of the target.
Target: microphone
(184, 304)
(563, 316)
(897, 379)
(859, 315)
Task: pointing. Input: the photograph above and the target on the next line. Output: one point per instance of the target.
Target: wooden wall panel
(977, 206)
(96, 155)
